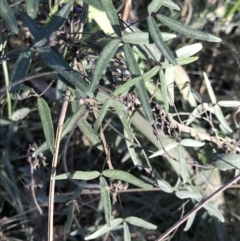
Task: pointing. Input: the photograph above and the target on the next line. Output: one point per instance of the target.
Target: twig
(54, 165)
(198, 207)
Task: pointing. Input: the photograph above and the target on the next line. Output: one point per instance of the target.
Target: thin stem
(54, 165)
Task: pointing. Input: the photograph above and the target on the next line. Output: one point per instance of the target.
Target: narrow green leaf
(187, 31)
(32, 8)
(7, 14)
(42, 37)
(140, 223)
(189, 50)
(171, 5)
(106, 201)
(218, 113)
(164, 91)
(188, 194)
(32, 25)
(225, 161)
(126, 232)
(104, 229)
(47, 123)
(196, 95)
(195, 190)
(112, 15)
(192, 143)
(154, 5)
(126, 177)
(165, 186)
(71, 77)
(168, 147)
(190, 222)
(127, 131)
(102, 62)
(214, 211)
(101, 115)
(158, 40)
(229, 103)
(183, 165)
(89, 133)
(138, 37)
(140, 86)
(210, 89)
(21, 68)
(67, 127)
(20, 114)
(70, 212)
(123, 89)
(79, 175)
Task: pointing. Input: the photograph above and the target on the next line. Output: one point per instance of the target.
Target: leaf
(229, 103)
(158, 40)
(189, 50)
(126, 177)
(214, 211)
(192, 143)
(168, 147)
(32, 8)
(195, 190)
(44, 35)
(187, 31)
(210, 89)
(224, 161)
(7, 14)
(79, 175)
(164, 91)
(183, 166)
(188, 194)
(126, 233)
(136, 38)
(165, 186)
(89, 133)
(105, 197)
(171, 5)
(123, 89)
(140, 86)
(112, 15)
(154, 5)
(67, 127)
(101, 115)
(32, 25)
(70, 213)
(47, 123)
(104, 229)
(71, 77)
(140, 223)
(102, 62)
(218, 113)
(20, 114)
(127, 131)
(190, 222)
(21, 68)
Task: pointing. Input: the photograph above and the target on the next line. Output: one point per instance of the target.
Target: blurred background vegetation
(21, 177)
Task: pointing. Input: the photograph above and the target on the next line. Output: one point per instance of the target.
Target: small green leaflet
(106, 201)
(187, 31)
(47, 124)
(225, 161)
(126, 177)
(140, 223)
(79, 175)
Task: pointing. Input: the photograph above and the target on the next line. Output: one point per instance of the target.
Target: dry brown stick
(127, 9)
(54, 165)
(198, 207)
